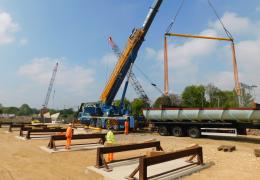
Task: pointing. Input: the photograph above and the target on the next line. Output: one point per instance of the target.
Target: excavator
(102, 113)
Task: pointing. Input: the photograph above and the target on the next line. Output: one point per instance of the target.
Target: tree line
(205, 96)
(26, 110)
(198, 96)
(192, 96)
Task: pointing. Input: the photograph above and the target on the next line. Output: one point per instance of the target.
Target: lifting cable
(221, 22)
(174, 19)
(148, 79)
(170, 27)
(214, 11)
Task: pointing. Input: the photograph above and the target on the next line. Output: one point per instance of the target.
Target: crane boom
(46, 101)
(128, 56)
(133, 80)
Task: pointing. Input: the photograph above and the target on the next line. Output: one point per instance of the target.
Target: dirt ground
(24, 160)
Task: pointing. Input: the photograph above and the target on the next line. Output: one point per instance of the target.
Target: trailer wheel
(194, 132)
(163, 131)
(177, 131)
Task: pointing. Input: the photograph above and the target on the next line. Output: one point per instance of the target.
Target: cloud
(23, 41)
(73, 78)
(109, 59)
(182, 55)
(257, 8)
(247, 53)
(233, 22)
(223, 80)
(7, 28)
(150, 53)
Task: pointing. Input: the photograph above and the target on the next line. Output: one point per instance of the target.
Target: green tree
(230, 99)
(175, 100)
(1, 109)
(126, 103)
(25, 110)
(163, 101)
(11, 110)
(246, 98)
(35, 111)
(137, 105)
(53, 111)
(212, 93)
(193, 96)
(67, 113)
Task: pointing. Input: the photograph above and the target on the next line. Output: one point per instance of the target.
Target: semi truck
(195, 122)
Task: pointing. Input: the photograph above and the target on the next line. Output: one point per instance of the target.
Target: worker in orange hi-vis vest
(69, 133)
(126, 126)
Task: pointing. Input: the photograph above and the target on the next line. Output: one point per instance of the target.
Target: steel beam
(54, 138)
(146, 161)
(121, 148)
(199, 37)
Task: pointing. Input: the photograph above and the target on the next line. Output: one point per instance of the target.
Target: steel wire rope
(174, 19)
(148, 79)
(221, 22)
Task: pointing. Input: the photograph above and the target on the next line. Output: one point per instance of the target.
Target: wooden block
(257, 152)
(192, 145)
(226, 148)
(233, 148)
(154, 153)
(111, 144)
(220, 147)
(148, 140)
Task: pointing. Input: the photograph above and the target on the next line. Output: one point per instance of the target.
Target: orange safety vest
(126, 127)
(69, 132)
(126, 124)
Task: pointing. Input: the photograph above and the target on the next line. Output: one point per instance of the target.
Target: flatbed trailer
(195, 122)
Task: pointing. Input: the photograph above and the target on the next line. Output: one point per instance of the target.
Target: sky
(34, 35)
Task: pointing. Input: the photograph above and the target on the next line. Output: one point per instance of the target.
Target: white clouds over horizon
(72, 78)
(7, 28)
(109, 59)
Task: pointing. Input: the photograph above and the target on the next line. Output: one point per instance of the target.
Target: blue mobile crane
(104, 113)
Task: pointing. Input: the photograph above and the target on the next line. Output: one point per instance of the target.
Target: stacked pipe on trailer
(240, 115)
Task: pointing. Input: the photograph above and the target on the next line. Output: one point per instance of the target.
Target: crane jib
(128, 56)
(120, 78)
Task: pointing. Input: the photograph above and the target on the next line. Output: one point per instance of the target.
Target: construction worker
(126, 126)
(108, 124)
(69, 133)
(110, 138)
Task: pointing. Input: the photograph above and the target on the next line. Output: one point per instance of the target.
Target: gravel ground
(23, 160)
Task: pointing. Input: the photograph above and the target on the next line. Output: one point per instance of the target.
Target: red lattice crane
(46, 100)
